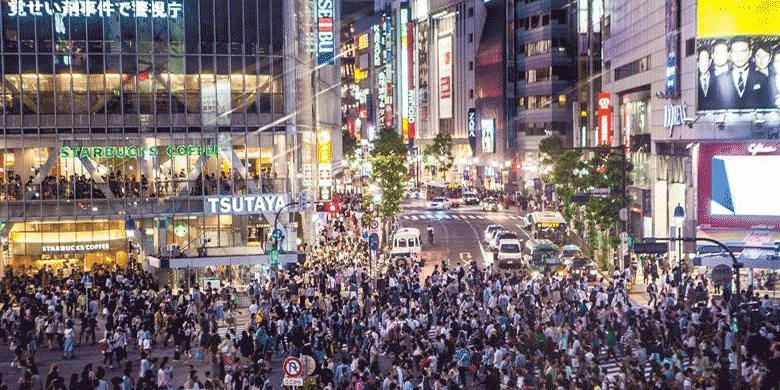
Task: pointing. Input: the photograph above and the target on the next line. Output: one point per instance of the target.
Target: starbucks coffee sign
(133, 151)
(244, 204)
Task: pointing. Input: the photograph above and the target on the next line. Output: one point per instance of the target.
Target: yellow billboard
(719, 19)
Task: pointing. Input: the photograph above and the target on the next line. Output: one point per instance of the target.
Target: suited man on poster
(707, 85)
(743, 87)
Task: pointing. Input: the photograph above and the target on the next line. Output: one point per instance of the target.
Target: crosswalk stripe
(405, 217)
(414, 217)
(472, 217)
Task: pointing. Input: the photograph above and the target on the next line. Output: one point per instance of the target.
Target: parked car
(493, 238)
(569, 253)
(509, 253)
(583, 267)
(504, 235)
(490, 230)
(439, 203)
(491, 204)
(470, 198)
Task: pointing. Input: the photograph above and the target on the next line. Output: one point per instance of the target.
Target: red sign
(605, 119)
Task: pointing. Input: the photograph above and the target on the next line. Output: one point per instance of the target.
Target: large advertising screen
(737, 185)
(738, 56)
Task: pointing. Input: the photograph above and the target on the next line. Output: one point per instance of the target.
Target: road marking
(465, 258)
(414, 217)
(472, 217)
(523, 230)
(405, 217)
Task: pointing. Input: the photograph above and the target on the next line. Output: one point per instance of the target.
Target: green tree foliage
(389, 173)
(388, 162)
(440, 152)
(389, 142)
(572, 174)
(568, 171)
(348, 144)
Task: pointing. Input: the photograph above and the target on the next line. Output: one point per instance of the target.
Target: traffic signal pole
(276, 219)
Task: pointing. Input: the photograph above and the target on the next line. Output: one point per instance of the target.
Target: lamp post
(130, 229)
(679, 217)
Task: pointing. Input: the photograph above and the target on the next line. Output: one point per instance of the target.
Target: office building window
(562, 100)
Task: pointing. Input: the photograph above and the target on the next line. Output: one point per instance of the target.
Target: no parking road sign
(292, 367)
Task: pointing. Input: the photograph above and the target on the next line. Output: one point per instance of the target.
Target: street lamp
(679, 217)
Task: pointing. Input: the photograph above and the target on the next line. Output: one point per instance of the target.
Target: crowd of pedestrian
(372, 323)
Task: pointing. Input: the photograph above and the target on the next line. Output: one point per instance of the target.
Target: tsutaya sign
(244, 204)
(138, 151)
(94, 8)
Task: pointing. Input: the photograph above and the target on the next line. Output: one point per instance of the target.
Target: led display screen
(738, 186)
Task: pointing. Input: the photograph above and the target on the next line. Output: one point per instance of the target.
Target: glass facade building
(114, 109)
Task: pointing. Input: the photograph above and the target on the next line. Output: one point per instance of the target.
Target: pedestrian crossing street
(613, 366)
(468, 217)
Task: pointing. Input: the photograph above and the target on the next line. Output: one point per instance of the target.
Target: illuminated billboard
(445, 76)
(325, 36)
(488, 135)
(738, 56)
(737, 188)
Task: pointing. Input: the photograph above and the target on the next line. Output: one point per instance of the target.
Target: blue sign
(277, 234)
(302, 202)
(365, 236)
(373, 241)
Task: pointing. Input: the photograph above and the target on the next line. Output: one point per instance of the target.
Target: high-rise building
(545, 76)
(175, 124)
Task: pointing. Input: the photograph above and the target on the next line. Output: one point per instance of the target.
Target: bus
(451, 191)
(543, 256)
(546, 225)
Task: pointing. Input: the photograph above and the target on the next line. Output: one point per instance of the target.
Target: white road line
(523, 230)
(405, 217)
(472, 217)
(414, 217)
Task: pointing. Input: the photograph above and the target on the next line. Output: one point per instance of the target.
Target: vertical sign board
(445, 76)
(325, 42)
(412, 93)
(471, 123)
(605, 118)
(422, 70)
(488, 135)
(387, 39)
(381, 91)
(672, 48)
(403, 86)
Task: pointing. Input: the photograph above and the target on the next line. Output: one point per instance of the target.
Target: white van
(509, 253)
(406, 243)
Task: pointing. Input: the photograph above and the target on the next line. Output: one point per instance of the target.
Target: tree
(440, 151)
(389, 172)
(348, 144)
(389, 142)
(606, 170)
(389, 169)
(567, 172)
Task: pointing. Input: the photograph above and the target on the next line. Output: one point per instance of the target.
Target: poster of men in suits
(739, 74)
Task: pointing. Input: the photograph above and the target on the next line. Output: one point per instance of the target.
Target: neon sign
(91, 8)
(324, 32)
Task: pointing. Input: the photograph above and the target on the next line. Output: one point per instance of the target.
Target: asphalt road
(458, 233)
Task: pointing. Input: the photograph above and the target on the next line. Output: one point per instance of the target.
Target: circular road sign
(721, 275)
(374, 224)
(292, 367)
(277, 234)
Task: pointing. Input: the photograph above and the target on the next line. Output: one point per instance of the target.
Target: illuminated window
(562, 100)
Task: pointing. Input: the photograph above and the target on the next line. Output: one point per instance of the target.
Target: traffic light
(517, 166)
(332, 207)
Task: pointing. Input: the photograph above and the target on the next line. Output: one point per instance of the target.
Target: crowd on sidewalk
(385, 327)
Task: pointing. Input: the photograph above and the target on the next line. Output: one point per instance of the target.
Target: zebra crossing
(613, 367)
(466, 217)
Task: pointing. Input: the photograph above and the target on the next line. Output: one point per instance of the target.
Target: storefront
(64, 245)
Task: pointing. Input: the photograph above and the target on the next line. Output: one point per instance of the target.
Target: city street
(458, 232)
